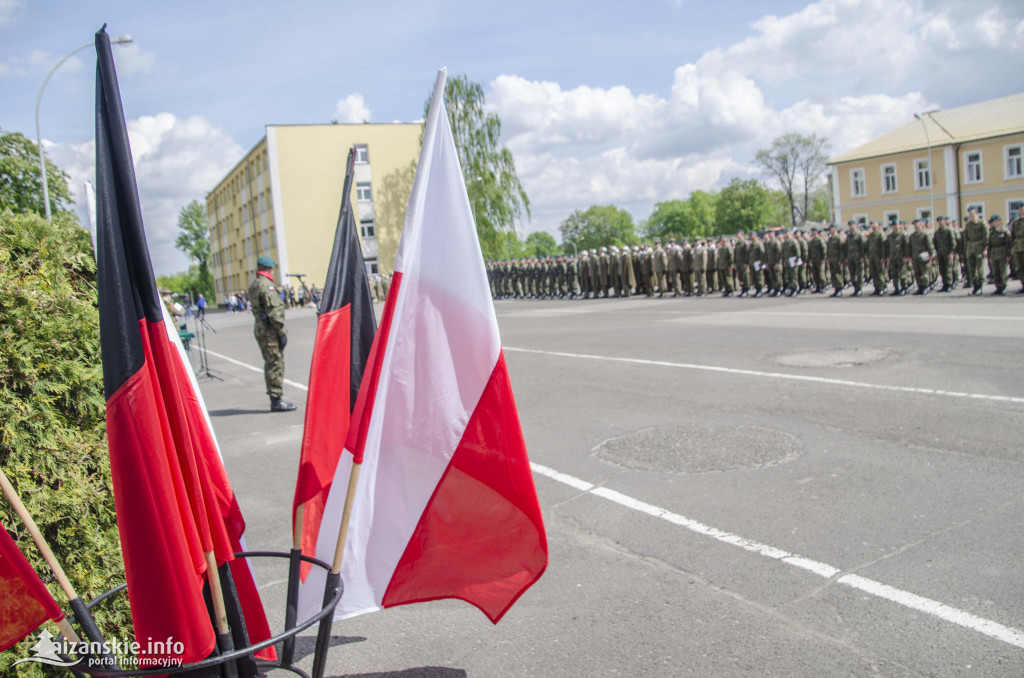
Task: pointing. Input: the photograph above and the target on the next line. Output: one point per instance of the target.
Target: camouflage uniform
(269, 330)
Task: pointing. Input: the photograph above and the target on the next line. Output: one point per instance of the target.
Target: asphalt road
(731, 487)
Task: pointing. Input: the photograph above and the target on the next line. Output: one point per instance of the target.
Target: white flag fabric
(445, 506)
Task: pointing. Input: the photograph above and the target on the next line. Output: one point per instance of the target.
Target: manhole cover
(834, 357)
(700, 448)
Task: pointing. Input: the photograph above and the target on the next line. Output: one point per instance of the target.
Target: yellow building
(283, 198)
(939, 163)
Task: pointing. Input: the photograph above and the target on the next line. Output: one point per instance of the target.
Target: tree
(598, 227)
(495, 193)
(743, 205)
(194, 241)
(21, 184)
(797, 163)
(53, 443)
(690, 218)
(542, 244)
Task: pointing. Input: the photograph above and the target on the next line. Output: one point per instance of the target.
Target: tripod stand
(204, 359)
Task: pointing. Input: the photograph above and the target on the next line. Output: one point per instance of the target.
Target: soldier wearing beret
(268, 308)
(998, 253)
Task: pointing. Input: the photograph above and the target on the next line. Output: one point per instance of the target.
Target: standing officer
(876, 259)
(998, 253)
(1017, 248)
(789, 258)
(739, 260)
(816, 256)
(724, 261)
(975, 242)
(945, 250)
(835, 261)
(921, 252)
(269, 330)
(856, 250)
(700, 265)
(755, 258)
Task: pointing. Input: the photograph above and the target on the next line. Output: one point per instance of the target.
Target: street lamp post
(931, 174)
(123, 40)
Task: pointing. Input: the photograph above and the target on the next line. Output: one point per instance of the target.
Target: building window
(366, 229)
(861, 219)
(371, 268)
(980, 206)
(858, 187)
(922, 174)
(362, 154)
(888, 178)
(363, 191)
(1014, 209)
(924, 213)
(972, 165)
(1014, 168)
(892, 218)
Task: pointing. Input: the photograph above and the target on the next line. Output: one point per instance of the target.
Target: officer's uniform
(998, 253)
(268, 308)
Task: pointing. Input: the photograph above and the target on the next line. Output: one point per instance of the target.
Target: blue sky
(602, 102)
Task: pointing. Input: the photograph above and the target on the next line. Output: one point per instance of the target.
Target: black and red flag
(344, 333)
(174, 502)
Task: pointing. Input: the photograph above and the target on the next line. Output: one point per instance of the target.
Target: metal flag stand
(332, 594)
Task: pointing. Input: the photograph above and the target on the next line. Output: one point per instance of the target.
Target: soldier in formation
(268, 309)
(783, 262)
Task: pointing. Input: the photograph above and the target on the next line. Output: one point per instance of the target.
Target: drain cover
(700, 448)
(835, 357)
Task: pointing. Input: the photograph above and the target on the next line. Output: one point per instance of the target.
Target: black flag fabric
(344, 334)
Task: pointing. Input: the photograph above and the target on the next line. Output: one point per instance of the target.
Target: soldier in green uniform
(921, 252)
(998, 253)
(975, 242)
(805, 256)
(755, 258)
(675, 263)
(816, 249)
(1017, 248)
(834, 250)
(856, 250)
(876, 259)
(773, 267)
(945, 253)
(700, 266)
(789, 261)
(739, 262)
(659, 266)
(724, 260)
(271, 336)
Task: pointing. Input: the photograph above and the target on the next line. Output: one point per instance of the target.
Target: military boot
(278, 405)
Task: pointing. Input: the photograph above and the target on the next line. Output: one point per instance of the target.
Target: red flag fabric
(344, 332)
(445, 506)
(172, 495)
(25, 602)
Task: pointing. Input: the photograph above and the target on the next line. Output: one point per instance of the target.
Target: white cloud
(176, 161)
(848, 70)
(37, 62)
(351, 109)
(10, 12)
(131, 59)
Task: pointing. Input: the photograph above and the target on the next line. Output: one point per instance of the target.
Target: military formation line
(910, 257)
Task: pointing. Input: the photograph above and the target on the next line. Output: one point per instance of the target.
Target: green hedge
(52, 429)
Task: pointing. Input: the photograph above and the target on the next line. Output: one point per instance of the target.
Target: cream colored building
(283, 198)
(939, 163)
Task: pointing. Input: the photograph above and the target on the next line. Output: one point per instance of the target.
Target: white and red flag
(445, 505)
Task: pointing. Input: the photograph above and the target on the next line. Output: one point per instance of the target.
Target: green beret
(265, 262)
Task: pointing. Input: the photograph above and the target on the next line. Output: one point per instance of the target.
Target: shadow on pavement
(422, 672)
(234, 411)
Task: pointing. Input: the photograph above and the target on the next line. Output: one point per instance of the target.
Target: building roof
(985, 120)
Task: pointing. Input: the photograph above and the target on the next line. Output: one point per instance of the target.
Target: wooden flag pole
(225, 643)
(334, 577)
(350, 497)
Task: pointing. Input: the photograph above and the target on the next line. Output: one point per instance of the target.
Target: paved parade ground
(731, 487)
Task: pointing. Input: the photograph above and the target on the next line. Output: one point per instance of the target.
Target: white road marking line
(301, 387)
(913, 601)
(775, 375)
(986, 627)
(891, 316)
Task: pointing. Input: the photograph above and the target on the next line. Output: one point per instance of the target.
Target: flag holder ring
(324, 616)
